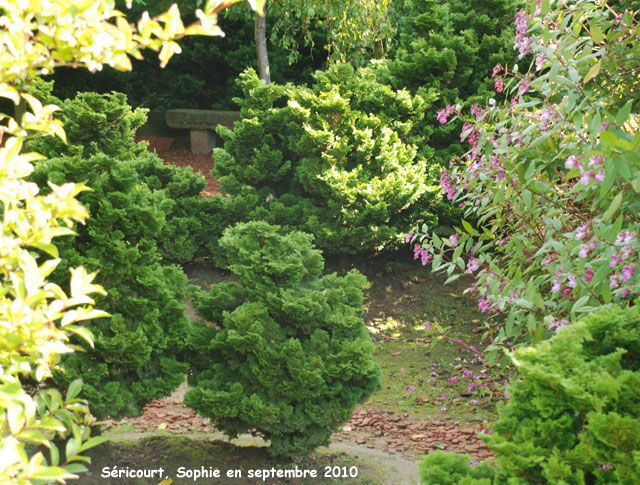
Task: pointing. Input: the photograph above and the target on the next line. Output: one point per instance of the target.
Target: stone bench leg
(202, 141)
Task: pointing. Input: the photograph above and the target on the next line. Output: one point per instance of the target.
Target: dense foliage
(141, 210)
(285, 353)
(552, 176)
(37, 316)
(337, 160)
(450, 48)
(444, 468)
(202, 76)
(573, 416)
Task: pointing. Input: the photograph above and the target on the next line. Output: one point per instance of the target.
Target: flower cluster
(552, 181)
(521, 41)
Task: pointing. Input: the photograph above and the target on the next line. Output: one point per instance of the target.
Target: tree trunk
(261, 47)
(378, 49)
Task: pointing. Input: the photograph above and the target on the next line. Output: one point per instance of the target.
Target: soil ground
(436, 392)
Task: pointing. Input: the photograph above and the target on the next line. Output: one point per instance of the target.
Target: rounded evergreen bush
(443, 468)
(142, 213)
(337, 160)
(285, 353)
(573, 414)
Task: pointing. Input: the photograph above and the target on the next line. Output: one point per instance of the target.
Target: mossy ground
(401, 296)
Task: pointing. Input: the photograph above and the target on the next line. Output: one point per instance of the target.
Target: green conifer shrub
(444, 468)
(105, 123)
(451, 48)
(573, 414)
(143, 213)
(337, 160)
(285, 353)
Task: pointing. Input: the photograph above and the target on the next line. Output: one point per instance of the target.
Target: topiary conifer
(285, 352)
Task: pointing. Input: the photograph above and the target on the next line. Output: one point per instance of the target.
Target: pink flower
(408, 237)
(496, 70)
(453, 379)
(600, 176)
(572, 281)
(523, 86)
(570, 163)
(581, 232)
(443, 115)
(471, 387)
(416, 251)
(454, 240)
(472, 266)
(427, 325)
(474, 402)
(467, 373)
(627, 273)
(624, 238)
(615, 260)
(540, 58)
(613, 281)
(557, 324)
(498, 84)
(625, 293)
(411, 388)
(584, 250)
(588, 274)
(557, 285)
(425, 257)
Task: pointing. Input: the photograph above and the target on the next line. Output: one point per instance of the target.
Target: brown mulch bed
(386, 430)
(184, 158)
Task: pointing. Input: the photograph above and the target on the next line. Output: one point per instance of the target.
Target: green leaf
(609, 138)
(75, 468)
(593, 72)
(613, 207)
(71, 448)
(596, 34)
(74, 389)
(624, 112)
(33, 435)
(524, 303)
(595, 125)
(93, 442)
(54, 453)
(580, 303)
(53, 473)
(526, 197)
(469, 228)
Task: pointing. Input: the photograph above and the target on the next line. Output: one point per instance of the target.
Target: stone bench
(202, 124)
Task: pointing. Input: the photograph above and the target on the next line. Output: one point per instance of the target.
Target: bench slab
(202, 123)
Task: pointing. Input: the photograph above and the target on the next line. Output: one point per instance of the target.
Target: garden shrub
(286, 353)
(445, 468)
(143, 213)
(38, 317)
(105, 123)
(337, 160)
(573, 414)
(552, 177)
(451, 47)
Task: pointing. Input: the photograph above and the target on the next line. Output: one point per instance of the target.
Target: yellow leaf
(593, 72)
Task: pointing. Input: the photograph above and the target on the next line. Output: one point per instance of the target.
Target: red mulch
(384, 430)
(184, 158)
